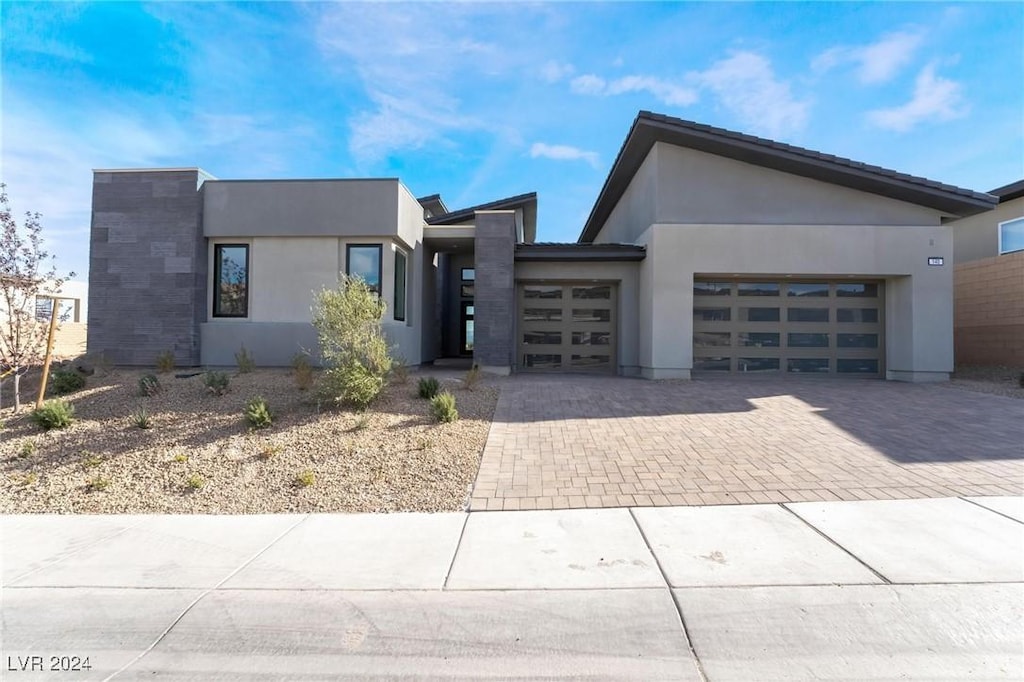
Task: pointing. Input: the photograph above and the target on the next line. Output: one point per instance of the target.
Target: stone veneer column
(147, 266)
(494, 291)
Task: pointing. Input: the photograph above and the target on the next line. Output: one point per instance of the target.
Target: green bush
(351, 384)
(216, 382)
(352, 343)
(442, 406)
(165, 361)
(472, 378)
(429, 387)
(65, 381)
(245, 361)
(257, 413)
(305, 478)
(140, 418)
(195, 481)
(54, 414)
(149, 385)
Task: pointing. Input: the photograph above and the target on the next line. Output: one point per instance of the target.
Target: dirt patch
(994, 379)
(200, 456)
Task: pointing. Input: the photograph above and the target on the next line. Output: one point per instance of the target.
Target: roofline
(1015, 190)
(649, 128)
(579, 252)
(499, 204)
(311, 180)
(150, 170)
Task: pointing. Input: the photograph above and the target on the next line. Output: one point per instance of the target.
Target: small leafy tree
(27, 272)
(352, 343)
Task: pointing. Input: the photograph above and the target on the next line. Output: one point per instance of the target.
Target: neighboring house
(72, 308)
(988, 249)
(706, 250)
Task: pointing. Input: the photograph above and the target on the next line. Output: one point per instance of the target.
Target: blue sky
(481, 101)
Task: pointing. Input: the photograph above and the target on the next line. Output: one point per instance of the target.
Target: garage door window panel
(807, 315)
(857, 366)
(758, 289)
(712, 339)
(805, 340)
(805, 290)
(857, 340)
(759, 339)
(548, 292)
(591, 338)
(807, 365)
(757, 364)
(712, 288)
(857, 315)
(712, 314)
(856, 290)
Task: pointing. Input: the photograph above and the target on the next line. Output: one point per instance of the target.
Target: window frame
(380, 264)
(404, 289)
(216, 308)
(999, 235)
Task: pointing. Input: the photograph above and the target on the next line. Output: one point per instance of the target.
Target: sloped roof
(527, 202)
(649, 128)
(433, 203)
(1015, 190)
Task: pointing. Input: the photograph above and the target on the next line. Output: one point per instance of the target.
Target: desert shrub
(304, 479)
(140, 418)
(65, 381)
(54, 414)
(27, 450)
(442, 406)
(165, 361)
(257, 413)
(216, 382)
(91, 460)
(98, 483)
(302, 370)
(149, 385)
(399, 373)
(362, 423)
(31, 478)
(428, 387)
(352, 343)
(472, 378)
(352, 383)
(270, 451)
(245, 361)
(195, 481)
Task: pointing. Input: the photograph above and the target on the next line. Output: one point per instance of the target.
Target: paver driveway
(578, 441)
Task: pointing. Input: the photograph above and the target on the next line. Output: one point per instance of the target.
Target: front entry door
(466, 328)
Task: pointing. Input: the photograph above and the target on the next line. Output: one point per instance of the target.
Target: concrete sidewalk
(907, 589)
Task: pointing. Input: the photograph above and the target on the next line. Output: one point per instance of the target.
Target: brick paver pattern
(560, 442)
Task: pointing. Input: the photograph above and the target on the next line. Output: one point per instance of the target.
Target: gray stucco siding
(309, 208)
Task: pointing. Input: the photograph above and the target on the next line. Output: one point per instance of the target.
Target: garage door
(566, 327)
(787, 326)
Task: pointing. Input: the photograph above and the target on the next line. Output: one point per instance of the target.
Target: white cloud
(876, 62)
(554, 71)
(746, 85)
(663, 90)
(935, 98)
(562, 152)
(413, 77)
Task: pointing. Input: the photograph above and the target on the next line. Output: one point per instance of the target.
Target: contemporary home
(706, 251)
(988, 249)
(71, 299)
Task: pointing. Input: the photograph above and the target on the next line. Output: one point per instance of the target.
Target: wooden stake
(49, 351)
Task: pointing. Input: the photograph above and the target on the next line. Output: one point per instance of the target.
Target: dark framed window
(364, 261)
(468, 274)
(231, 280)
(400, 285)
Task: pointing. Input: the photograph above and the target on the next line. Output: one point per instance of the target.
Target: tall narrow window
(363, 261)
(400, 279)
(1011, 236)
(231, 280)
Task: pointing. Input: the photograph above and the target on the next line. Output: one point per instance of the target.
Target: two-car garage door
(799, 327)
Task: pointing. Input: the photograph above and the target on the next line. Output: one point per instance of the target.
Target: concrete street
(868, 590)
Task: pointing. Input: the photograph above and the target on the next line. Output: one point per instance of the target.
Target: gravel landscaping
(992, 379)
(200, 455)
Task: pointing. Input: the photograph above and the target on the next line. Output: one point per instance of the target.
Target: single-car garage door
(566, 327)
(798, 327)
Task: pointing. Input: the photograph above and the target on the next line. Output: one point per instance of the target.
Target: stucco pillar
(494, 294)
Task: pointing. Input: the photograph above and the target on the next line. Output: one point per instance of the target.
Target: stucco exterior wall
(284, 274)
(988, 314)
(635, 210)
(919, 315)
(697, 187)
(300, 208)
(626, 276)
(978, 236)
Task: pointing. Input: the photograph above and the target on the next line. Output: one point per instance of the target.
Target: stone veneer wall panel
(147, 266)
(494, 290)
